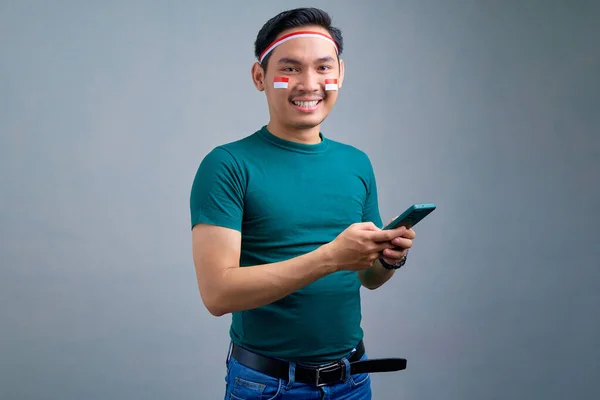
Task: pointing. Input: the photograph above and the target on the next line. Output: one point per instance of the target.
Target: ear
(341, 78)
(258, 76)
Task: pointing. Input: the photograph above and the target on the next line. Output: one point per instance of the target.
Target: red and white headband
(294, 35)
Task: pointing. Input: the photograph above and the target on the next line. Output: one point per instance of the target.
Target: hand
(401, 244)
(358, 246)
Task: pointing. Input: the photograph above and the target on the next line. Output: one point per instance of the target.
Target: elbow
(211, 295)
(218, 295)
(366, 282)
(216, 311)
(214, 303)
(370, 286)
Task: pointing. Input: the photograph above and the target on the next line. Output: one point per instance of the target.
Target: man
(286, 229)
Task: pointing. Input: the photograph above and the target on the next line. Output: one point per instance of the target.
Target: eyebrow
(289, 60)
(326, 59)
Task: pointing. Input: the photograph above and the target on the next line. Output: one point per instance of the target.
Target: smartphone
(412, 215)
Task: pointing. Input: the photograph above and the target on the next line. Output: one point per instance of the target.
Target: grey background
(489, 109)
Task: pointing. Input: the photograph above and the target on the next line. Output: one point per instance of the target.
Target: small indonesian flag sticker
(331, 84)
(281, 82)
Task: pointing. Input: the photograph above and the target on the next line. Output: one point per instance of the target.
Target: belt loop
(347, 369)
(229, 352)
(291, 375)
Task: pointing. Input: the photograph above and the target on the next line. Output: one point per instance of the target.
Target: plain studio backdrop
(489, 109)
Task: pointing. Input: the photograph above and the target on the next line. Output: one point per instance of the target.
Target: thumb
(367, 226)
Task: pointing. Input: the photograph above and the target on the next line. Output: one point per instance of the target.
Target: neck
(298, 135)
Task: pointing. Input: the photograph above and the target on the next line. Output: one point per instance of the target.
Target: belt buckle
(326, 368)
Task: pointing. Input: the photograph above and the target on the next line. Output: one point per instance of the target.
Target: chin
(306, 123)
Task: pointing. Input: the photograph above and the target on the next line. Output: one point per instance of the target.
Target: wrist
(392, 265)
(326, 260)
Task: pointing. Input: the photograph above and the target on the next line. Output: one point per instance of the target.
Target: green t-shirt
(287, 199)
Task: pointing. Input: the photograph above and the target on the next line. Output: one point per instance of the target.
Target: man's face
(306, 62)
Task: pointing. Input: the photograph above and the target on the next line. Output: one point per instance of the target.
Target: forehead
(302, 47)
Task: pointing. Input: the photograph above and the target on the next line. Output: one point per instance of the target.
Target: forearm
(244, 288)
(375, 276)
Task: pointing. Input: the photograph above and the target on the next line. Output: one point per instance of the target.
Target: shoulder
(350, 153)
(230, 155)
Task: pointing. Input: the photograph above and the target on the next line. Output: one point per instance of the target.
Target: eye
(290, 69)
(324, 68)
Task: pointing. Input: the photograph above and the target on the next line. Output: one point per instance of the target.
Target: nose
(310, 82)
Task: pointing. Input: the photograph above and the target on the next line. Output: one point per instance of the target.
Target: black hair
(293, 19)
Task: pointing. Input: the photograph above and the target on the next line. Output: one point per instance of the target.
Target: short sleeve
(217, 194)
(371, 206)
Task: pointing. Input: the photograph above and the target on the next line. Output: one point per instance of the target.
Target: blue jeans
(243, 383)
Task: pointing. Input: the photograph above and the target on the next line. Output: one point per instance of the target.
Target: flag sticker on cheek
(281, 82)
(331, 84)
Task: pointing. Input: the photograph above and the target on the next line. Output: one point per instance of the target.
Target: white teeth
(306, 104)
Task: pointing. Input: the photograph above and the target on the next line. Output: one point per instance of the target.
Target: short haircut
(295, 18)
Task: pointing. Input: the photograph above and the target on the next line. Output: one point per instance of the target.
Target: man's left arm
(377, 275)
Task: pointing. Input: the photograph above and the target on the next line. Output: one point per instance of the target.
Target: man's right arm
(226, 287)
(217, 206)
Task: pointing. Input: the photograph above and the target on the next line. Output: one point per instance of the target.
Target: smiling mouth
(306, 105)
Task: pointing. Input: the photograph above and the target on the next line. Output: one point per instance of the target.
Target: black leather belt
(319, 375)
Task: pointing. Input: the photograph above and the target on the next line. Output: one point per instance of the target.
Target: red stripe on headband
(290, 35)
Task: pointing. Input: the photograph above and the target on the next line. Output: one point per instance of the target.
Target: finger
(402, 242)
(387, 235)
(395, 255)
(380, 247)
(409, 234)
